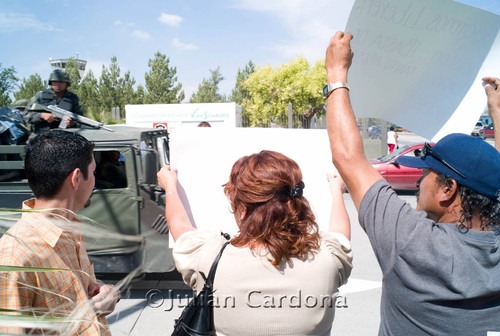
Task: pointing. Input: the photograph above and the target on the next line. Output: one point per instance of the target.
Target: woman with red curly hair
(280, 274)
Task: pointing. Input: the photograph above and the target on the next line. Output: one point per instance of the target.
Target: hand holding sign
(338, 57)
(491, 85)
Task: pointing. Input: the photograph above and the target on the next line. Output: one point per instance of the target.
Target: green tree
(88, 91)
(271, 89)
(239, 93)
(140, 95)
(74, 75)
(161, 82)
(208, 90)
(128, 93)
(114, 90)
(29, 87)
(8, 82)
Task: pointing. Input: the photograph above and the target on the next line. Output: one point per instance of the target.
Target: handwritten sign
(416, 60)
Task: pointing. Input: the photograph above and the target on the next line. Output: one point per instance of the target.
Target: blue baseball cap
(470, 161)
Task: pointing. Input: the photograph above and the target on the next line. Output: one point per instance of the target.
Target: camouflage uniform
(69, 101)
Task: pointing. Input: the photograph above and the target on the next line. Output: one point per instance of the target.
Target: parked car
(399, 177)
(475, 131)
(487, 132)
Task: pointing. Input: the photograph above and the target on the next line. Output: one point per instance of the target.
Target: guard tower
(60, 63)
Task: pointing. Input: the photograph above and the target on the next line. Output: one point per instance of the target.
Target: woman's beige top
(252, 297)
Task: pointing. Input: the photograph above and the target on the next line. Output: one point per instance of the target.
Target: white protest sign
(205, 156)
(416, 60)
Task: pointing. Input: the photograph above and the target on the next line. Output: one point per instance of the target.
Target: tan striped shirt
(40, 241)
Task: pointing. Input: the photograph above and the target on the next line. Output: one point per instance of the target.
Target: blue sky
(196, 35)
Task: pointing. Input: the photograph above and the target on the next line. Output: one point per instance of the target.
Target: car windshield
(392, 155)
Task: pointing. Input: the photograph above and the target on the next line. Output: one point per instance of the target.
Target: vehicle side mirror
(149, 167)
(393, 162)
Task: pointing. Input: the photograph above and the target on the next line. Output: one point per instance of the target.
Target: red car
(399, 177)
(487, 132)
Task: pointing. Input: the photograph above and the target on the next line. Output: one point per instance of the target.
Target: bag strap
(211, 275)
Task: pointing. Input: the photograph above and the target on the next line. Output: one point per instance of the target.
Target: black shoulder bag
(198, 317)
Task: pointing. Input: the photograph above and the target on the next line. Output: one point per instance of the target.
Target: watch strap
(329, 88)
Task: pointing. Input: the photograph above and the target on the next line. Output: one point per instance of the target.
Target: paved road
(359, 317)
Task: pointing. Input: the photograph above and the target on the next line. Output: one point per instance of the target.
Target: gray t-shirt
(437, 280)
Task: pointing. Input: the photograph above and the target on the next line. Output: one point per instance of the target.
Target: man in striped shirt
(60, 169)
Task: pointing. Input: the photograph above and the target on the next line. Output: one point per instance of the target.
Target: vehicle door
(402, 177)
(490, 131)
(14, 188)
(114, 202)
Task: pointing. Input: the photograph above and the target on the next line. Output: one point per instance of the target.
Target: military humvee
(126, 199)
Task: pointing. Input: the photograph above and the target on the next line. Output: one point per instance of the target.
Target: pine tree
(208, 89)
(161, 82)
(8, 82)
(29, 87)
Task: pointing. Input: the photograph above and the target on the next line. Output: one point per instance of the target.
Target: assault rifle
(64, 114)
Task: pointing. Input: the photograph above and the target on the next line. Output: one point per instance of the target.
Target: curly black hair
(475, 204)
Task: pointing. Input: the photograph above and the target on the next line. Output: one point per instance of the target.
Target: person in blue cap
(440, 261)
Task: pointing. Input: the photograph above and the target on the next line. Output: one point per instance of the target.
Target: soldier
(21, 104)
(58, 95)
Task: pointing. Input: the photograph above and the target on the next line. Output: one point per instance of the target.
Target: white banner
(205, 156)
(419, 63)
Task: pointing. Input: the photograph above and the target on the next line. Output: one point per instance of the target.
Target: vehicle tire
(482, 136)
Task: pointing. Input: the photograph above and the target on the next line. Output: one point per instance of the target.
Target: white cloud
(266, 6)
(119, 23)
(183, 46)
(12, 22)
(310, 23)
(170, 19)
(141, 34)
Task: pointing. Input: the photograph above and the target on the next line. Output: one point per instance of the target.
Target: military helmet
(59, 75)
(21, 103)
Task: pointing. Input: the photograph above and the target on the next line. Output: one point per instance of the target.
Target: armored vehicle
(126, 198)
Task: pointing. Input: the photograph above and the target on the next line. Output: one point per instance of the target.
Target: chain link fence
(289, 119)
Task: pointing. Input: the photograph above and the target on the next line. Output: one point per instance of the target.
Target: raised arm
(177, 218)
(493, 92)
(339, 219)
(345, 141)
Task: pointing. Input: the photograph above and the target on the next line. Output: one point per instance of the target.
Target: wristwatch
(329, 88)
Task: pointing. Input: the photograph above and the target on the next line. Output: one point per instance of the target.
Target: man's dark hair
(391, 128)
(51, 157)
(473, 204)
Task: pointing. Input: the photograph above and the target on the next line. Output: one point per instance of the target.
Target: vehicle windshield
(392, 155)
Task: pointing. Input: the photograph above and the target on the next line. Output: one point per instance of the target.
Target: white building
(183, 115)
(60, 63)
